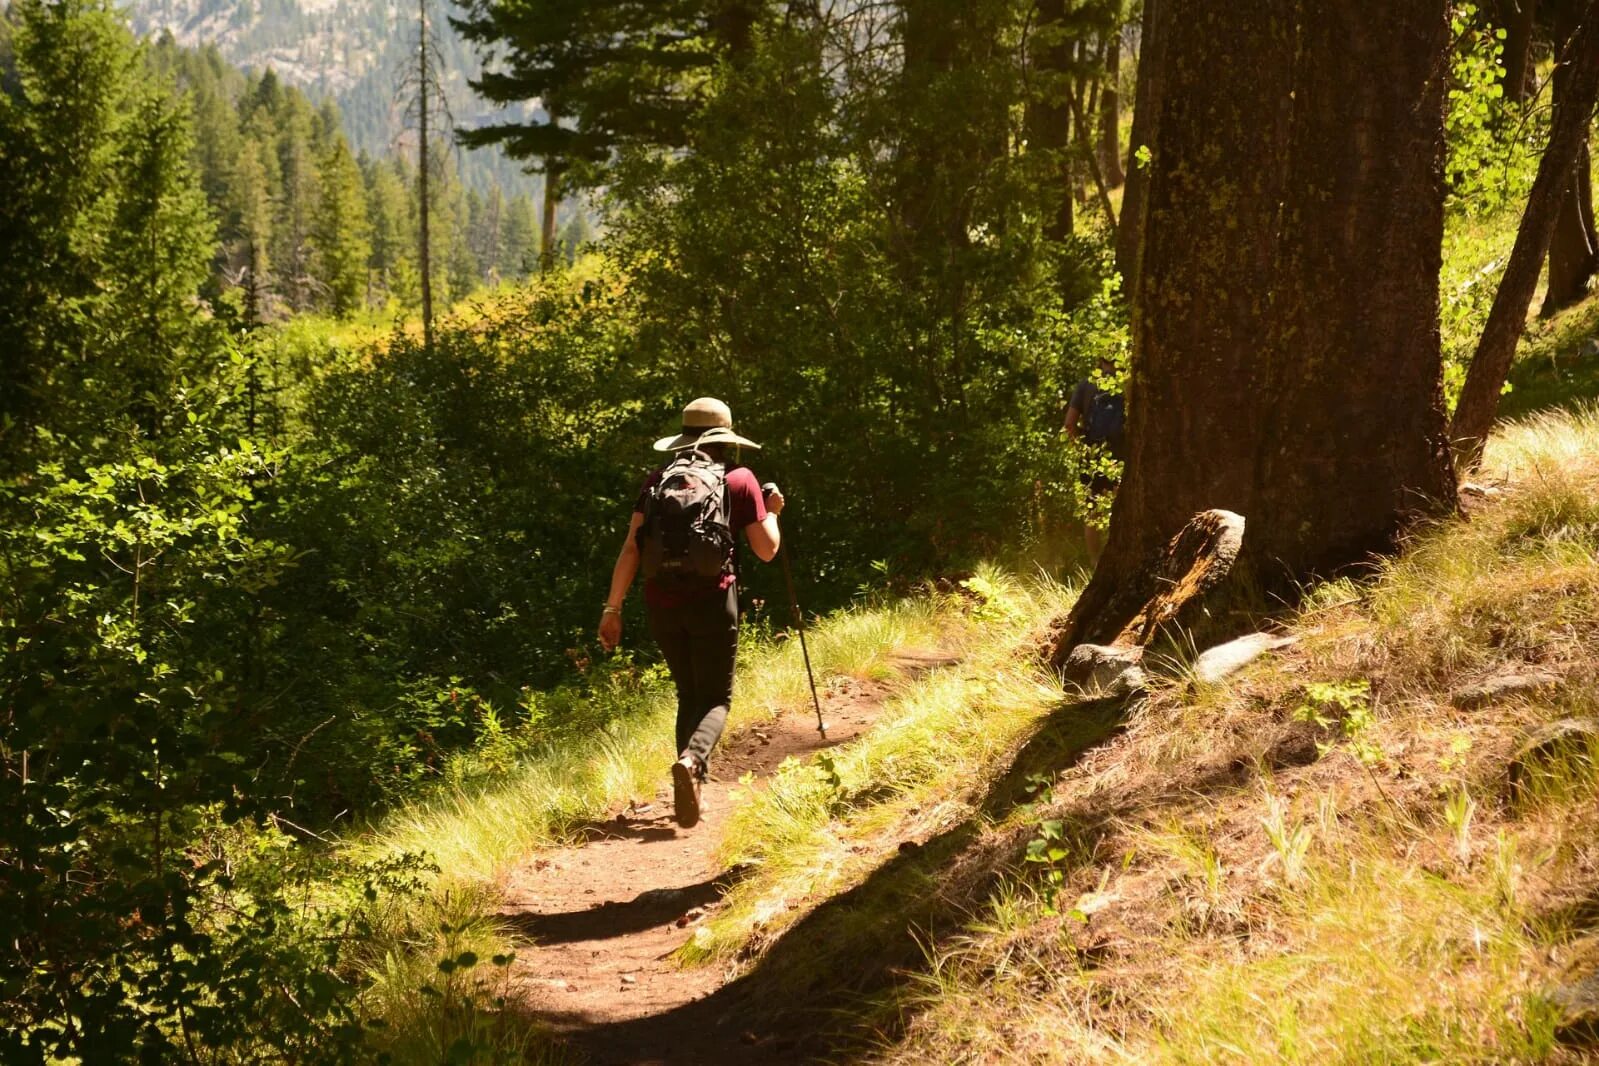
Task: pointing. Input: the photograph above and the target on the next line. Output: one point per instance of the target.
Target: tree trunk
(1572, 255)
(1516, 17)
(552, 197)
(1146, 100)
(1286, 357)
(424, 245)
(1568, 134)
(1572, 252)
(1110, 114)
(1049, 116)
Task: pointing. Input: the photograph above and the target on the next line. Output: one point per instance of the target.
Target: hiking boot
(686, 774)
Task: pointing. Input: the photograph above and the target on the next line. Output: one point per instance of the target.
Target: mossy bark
(1285, 323)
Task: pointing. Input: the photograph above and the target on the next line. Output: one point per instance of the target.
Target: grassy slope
(1221, 890)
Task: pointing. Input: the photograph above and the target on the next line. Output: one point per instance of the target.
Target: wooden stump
(1164, 591)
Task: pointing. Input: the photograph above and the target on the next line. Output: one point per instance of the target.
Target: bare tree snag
(1485, 379)
(1286, 360)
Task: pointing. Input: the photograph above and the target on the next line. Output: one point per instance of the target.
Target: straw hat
(705, 421)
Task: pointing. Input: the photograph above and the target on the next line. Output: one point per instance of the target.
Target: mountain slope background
(353, 52)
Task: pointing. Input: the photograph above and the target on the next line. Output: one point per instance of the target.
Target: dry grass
(1237, 895)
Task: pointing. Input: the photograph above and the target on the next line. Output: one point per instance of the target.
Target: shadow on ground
(787, 1008)
(609, 920)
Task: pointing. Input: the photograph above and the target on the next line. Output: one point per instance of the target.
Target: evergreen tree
(622, 73)
(340, 230)
(519, 248)
(388, 214)
(65, 117)
(158, 254)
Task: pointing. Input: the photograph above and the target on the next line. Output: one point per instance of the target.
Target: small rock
(629, 979)
(1565, 736)
(1578, 1003)
(1105, 669)
(1590, 348)
(1090, 903)
(1502, 686)
(1471, 488)
(1224, 660)
(658, 897)
(908, 846)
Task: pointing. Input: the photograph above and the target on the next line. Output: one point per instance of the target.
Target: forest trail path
(597, 922)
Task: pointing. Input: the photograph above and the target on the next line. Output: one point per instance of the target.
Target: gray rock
(1221, 662)
(1503, 685)
(1563, 737)
(1590, 348)
(1106, 669)
(660, 897)
(1578, 1003)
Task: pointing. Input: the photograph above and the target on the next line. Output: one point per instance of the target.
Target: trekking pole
(799, 624)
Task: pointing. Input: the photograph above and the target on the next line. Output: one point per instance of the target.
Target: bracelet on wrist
(609, 609)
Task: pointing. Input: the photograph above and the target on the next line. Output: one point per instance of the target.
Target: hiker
(683, 536)
(1095, 417)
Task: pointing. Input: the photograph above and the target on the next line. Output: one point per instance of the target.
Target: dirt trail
(600, 920)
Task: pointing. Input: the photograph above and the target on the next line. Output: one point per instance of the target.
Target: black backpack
(686, 539)
(1105, 421)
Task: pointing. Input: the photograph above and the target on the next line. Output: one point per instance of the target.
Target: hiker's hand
(610, 631)
(774, 497)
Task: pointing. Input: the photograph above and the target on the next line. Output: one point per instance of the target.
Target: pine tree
(388, 215)
(158, 254)
(340, 230)
(519, 248)
(74, 79)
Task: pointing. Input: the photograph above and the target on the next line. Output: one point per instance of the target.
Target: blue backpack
(1105, 420)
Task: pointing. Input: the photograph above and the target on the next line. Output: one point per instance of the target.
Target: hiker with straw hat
(682, 535)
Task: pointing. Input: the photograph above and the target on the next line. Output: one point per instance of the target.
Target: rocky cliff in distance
(353, 51)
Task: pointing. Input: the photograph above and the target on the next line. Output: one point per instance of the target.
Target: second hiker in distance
(682, 535)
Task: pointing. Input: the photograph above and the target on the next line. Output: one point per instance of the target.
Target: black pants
(700, 641)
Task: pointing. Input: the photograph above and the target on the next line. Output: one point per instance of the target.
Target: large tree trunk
(1146, 99)
(1573, 255)
(1110, 113)
(1286, 356)
(1048, 116)
(1568, 136)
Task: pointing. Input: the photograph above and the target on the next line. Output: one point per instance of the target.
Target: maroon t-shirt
(746, 506)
